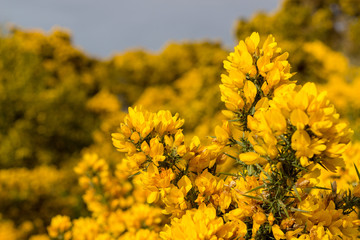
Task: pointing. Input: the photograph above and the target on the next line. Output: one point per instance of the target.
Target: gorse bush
(60, 105)
(262, 176)
(44, 84)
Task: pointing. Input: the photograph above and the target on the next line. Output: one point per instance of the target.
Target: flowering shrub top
(258, 179)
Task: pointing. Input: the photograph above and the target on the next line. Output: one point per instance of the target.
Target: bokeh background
(64, 89)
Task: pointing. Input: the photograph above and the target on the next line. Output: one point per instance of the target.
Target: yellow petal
(259, 217)
(250, 92)
(249, 158)
(255, 38)
(195, 142)
(300, 140)
(153, 196)
(185, 183)
(276, 121)
(221, 135)
(299, 118)
(278, 234)
(263, 103)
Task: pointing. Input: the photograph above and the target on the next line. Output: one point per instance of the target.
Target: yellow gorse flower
(60, 225)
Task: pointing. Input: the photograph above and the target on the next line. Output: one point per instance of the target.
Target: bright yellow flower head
(148, 137)
(60, 225)
(202, 223)
(238, 90)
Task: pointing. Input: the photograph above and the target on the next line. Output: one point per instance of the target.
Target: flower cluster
(256, 179)
(287, 130)
(117, 206)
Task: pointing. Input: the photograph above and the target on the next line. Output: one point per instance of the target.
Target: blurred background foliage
(58, 103)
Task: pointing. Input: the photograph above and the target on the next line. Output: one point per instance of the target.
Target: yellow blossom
(271, 218)
(278, 234)
(60, 225)
(250, 158)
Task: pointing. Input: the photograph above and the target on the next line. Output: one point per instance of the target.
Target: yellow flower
(278, 234)
(299, 118)
(240, 60)
(59, 225)
(174, 199)
(156, 151)
(300, 141)
(249, 93)
(231, 229)
(252, 42)
(135, 137)
(185, 184)
(155, 181)
(264, 64)
(271, 219)
(232, 99)
(200, 157)
(195, 143)
(201, 223)
(206, 183)
(223, 133)
(258, 219)
(276, 121)
(85, 228)
(250, 158)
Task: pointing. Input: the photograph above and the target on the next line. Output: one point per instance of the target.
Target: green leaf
(257, 188)
(283, 206)
(298, 210)
(316, 187)
(133, 175)
(253, 197)
(231, 156)
(357, 171)
(297, 193)
(234, 120)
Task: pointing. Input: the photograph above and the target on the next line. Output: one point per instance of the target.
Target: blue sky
(102, 28)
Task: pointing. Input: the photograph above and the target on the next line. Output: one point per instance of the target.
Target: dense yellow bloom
(60, 225)
(142, 234)
(325, 221)
(175, 198)
(202, 224)
(311, 109)
(318, 132)
(200, 157)
(85, 228)
(237, 91)
(156, 182)
(277, 135)
(141, 137)
(8, 231)
(280, 142)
